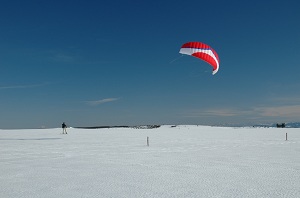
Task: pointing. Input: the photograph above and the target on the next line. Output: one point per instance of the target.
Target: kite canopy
(202, 51)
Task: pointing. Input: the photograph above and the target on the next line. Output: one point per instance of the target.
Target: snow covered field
(182, 161)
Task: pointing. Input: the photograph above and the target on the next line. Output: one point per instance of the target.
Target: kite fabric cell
(202, 51)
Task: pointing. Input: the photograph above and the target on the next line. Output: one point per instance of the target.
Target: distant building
(280, 125)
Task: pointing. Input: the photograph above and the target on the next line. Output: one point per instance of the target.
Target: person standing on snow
(64, 127)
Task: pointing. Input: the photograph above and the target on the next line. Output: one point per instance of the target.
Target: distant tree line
(134, 127)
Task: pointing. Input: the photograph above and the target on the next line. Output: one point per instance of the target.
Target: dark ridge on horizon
(121, 126)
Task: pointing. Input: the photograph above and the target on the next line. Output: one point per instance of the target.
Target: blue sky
(91, 63)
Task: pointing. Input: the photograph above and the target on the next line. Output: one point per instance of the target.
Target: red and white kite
(202, 51)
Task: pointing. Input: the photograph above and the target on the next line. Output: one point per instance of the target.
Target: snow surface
(182, 161)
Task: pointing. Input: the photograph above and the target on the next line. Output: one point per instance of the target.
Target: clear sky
(91, 63)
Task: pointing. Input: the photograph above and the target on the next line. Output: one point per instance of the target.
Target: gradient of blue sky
(117, 63)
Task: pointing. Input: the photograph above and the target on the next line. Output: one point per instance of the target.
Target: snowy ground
(185, 161)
